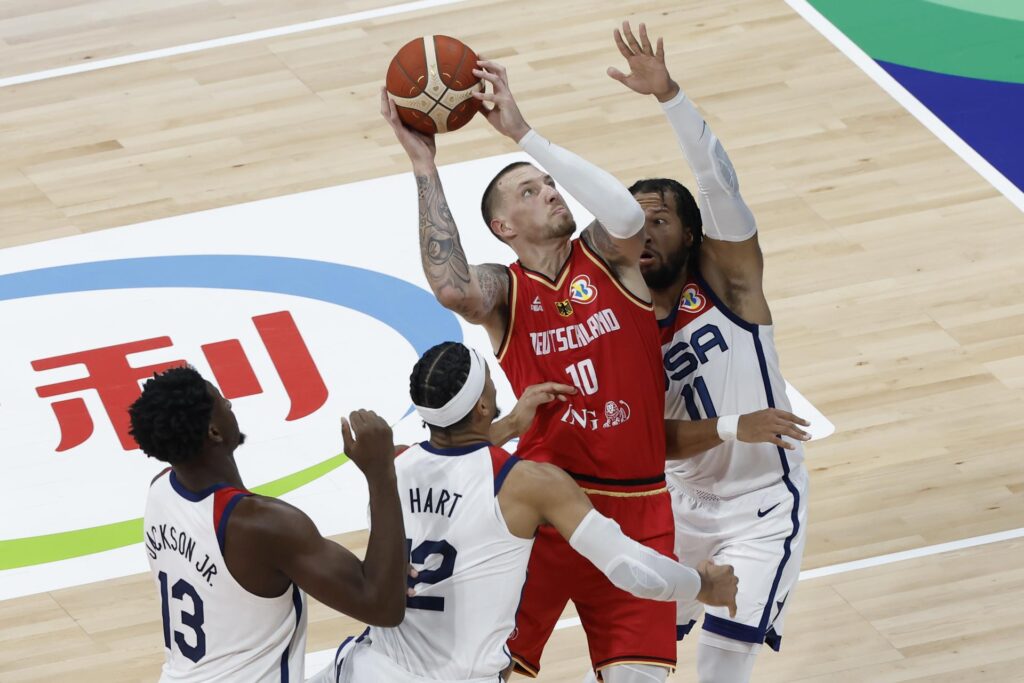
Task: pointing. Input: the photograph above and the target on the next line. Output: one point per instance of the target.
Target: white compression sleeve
(599, 191)
(726, 216)
(630, 566)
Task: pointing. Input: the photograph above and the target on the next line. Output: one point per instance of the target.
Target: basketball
(432, 83)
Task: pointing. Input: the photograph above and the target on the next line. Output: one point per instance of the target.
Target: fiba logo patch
(692, 301)
(581, 290)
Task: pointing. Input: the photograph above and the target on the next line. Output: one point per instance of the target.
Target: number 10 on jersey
(583, 376)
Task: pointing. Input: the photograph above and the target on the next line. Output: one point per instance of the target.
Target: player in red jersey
(575, 309)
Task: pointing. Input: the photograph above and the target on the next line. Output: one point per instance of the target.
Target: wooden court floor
(895, 273)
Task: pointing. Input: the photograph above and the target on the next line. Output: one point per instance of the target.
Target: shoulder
(532, 480)
(269, 520)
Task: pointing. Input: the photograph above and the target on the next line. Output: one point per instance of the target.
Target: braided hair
(438, 376)
(171, 418)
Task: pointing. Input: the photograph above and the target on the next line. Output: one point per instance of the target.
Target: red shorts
(619, 627)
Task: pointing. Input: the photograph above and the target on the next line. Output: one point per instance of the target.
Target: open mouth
(646, 258)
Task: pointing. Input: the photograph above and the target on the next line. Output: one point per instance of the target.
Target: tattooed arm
(477, 293)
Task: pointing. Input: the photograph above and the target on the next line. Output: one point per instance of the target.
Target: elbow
(388, 611)
(459, 303)
(628, 223)
(393, 616)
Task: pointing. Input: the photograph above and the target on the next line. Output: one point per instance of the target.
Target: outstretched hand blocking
(503, 112)
(648, 74)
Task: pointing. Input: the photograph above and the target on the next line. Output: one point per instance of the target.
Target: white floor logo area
(300, 308)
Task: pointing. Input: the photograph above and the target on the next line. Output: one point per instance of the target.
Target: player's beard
(664, 275)
(562, 226)
(241, 438)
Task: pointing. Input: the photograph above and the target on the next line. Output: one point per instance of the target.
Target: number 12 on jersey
(419, 556)
(584, 376)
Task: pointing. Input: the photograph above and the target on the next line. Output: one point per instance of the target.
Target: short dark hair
(438, 375)
(686, 206)
(171, 418)
(488, 201)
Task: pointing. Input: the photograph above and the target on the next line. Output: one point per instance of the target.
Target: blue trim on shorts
(773, 639)
(683, 630)
(733, 629)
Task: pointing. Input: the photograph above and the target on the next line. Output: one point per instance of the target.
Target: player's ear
(213, 434)
(502, 229)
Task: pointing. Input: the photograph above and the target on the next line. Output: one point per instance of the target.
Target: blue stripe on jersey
(456, 450)
(726, 311)
(222, 527)
(499, 479)
(297, 601)
(794, 513)
(193, 496)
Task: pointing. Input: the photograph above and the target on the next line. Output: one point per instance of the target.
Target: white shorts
(761, 534)
(356, 662)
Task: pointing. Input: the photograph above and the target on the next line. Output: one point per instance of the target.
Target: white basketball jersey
(718, 364)
(471, 568)
(213, 629)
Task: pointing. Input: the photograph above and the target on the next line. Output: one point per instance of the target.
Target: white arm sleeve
(630, 566)
(597, 190)
(724, 213)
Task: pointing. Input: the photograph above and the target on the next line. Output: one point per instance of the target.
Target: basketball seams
(438, 105)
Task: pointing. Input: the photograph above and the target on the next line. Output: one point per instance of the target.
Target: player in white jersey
(232, 568)
(738, 483)
(471, 510)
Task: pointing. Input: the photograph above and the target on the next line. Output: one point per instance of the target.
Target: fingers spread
(631, 40)
(616, 74)
(645, 42)
(623, 48)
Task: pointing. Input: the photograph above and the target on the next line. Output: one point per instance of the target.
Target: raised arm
(274, 534)
(617, 232)
(731, 259)
(477, 293)
(537, 493)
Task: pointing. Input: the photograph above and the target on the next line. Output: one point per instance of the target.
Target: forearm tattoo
(444, 261)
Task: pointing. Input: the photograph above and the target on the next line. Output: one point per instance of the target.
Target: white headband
(463, 401)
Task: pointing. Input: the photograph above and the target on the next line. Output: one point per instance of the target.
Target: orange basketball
(431, 81)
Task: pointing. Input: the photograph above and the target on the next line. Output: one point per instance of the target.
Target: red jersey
(586, 329)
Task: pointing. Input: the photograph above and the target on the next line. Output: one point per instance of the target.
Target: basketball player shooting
(471, 514)
(576, 310)
(736, 473)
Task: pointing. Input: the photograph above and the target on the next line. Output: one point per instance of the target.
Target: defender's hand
(648, 73)
(769, 426)
(535, 396)
(718, 584)
(420, 148)
(503, 113)
(372, 447)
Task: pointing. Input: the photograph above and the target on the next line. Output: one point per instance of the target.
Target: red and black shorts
(620, 627)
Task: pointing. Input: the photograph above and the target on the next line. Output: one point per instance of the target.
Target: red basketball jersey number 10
(431, 81)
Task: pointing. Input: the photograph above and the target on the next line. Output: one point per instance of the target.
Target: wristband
(727, 427)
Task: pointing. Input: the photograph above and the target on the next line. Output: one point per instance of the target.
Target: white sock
(715, 665)
(634, 673)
